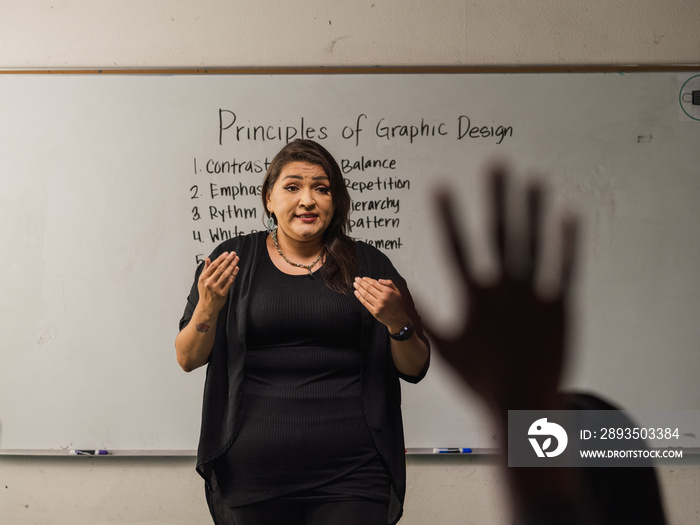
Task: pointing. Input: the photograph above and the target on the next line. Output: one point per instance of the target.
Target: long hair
(340, 266)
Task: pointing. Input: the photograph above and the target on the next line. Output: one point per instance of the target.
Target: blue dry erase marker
(452, 451)
(89, 452)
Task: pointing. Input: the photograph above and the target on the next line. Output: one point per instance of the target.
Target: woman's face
(301, 201)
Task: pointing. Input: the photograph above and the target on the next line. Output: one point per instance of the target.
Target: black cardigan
(381, 392)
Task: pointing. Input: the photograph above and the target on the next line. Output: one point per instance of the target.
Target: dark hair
(340, 267)
(619, 494)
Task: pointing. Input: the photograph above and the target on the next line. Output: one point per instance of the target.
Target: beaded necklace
(273, 233)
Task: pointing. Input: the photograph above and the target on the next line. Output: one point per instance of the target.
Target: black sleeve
(192, 299)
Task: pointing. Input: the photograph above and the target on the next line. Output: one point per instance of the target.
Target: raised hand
(215, 281)
(194, 343)
(512, 343)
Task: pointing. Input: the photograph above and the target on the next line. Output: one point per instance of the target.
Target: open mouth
(307, 217)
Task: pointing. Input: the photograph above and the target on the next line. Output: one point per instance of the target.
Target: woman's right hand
(194, 343)
(216, 280)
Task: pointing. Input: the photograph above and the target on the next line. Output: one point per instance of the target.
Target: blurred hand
(511, 345)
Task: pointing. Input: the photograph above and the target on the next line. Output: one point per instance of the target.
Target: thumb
(389, 283)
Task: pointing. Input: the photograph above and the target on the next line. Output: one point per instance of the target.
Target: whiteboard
(113, 186)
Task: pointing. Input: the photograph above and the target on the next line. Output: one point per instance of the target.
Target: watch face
(405, 333)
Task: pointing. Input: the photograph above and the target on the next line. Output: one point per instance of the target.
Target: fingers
(534, 230)
(376, 288)
(455, 245)
(229, 271)
(570, 233)
(382, 299)
(520, 262)
(367, 290)
(389, 283)
(220, 274)
(518, 243)
(363, 300)
(211, 266)
(364, 292)
(498, 215)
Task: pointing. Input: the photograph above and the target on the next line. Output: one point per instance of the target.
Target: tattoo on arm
(201, 327)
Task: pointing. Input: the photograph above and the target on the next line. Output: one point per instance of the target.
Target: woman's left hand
(383, 300)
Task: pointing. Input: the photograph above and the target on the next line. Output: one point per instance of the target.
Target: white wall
(270, 33)
(150, 33)
(167, 491)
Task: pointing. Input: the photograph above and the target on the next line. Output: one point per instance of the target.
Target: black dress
(304, 434)
(222, 406)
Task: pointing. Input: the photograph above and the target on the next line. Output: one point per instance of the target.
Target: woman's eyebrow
(300, 177)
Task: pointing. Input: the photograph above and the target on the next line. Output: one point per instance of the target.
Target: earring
(271, 225)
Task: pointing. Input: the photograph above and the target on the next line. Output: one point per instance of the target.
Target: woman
(301, 417)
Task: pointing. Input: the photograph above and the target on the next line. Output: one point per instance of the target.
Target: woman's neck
(303, 252)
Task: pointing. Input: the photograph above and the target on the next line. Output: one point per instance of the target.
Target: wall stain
(334, 42)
